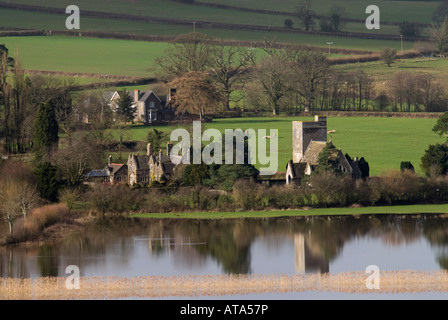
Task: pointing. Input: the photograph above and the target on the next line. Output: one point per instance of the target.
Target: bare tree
(431, 95)
(440, 36)
(228, 68)
(16, 199)
(195, 94)
(364, 88)
(27, 198)
(271, 73)
(74, 162)
(310, 69)
(190, 53)
(396, 89)
(95, 115)
(305, 13)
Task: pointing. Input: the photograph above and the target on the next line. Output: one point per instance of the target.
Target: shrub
(247, 194)
(39, 219)
(406, 165)
(409, 29)
(48, 215)
(115, 200)
(388, 55)
(288, 23)
(330, 189)
(69, 196)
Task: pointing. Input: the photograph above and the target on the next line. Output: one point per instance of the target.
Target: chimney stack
(149, 149)
(136, 95)
(169, 147)
(110, 160)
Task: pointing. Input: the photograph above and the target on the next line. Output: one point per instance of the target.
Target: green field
(382, 74)
(89, 55)
(383, 142)
(409, 209)
(176, 10)
(122, 57)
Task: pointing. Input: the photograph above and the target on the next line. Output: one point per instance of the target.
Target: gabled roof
(109, 95)
(311, 155)
(141, 162)
(147, 94)
(115, 167)
(298, 169)
(168, 167)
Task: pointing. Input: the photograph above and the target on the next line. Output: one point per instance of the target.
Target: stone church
(309, 138)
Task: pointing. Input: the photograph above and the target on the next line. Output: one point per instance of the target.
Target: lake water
(243, 246)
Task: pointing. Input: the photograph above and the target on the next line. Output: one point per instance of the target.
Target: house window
(151, 104)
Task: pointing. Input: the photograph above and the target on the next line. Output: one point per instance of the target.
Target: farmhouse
(139, 169)
(150, 108)
(112, 173)
(152, 167)
(309, 138)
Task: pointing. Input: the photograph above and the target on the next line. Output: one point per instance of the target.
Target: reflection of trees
(47, 261)
(226, 241)
(317, 240)
(436, 231)
(13, 263)
(395, 230)
(229, 241)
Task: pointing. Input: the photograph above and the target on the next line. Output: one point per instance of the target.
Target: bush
(330, 189)
(247, 194)
(115, 200)
(409, 29)
(406, 165)
(39, 219)
(288, 23)
(69, 196)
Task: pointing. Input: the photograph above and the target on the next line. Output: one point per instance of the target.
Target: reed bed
(94, 288)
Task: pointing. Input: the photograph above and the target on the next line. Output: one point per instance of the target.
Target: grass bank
(404, 209)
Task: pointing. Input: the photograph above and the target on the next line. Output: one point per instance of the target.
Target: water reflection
(275, 245)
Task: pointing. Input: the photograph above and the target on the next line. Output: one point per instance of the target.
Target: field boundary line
(205, 24)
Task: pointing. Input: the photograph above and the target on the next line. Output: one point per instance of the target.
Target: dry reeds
(217, 285)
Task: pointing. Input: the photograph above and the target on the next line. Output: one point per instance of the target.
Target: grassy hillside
(384, 142)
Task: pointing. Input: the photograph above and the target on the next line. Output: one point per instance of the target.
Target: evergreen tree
(328, 159)
(406, 165)
(47, 181)
(435, 160)
(46, 130)
(441, 126)
(125, 107)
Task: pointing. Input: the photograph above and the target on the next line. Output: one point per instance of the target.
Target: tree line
(288, 79)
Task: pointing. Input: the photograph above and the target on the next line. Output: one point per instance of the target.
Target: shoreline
(305, 212)
(57, 232)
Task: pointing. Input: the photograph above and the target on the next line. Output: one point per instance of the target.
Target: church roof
(311, 155)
